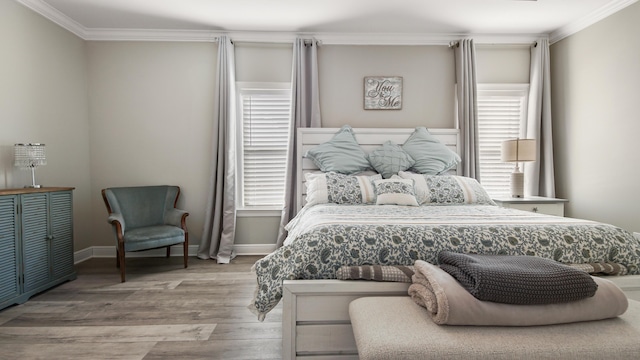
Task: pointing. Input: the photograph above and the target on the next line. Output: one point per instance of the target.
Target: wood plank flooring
(163, 311)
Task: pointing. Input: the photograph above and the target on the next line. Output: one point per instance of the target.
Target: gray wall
(260, 62)
(43, 98)
(151, 121)
(151, 115)
(428, 91)
(263, 62)
(121, 113)
(502, 64)
(428, 85)
(132, 113)
(595, 89)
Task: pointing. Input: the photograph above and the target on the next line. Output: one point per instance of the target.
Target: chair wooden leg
(186, 250)
(168, 250)
(117, 259)
(121, 262)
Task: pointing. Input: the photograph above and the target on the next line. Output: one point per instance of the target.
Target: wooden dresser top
(33, 190)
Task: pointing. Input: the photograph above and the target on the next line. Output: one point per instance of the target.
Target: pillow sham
(395, 192)
(430, 155)
(332, 187)
(448, 189)
(389, 158)
(341, 154)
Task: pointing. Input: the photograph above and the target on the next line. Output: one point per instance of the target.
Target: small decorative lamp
(29, 156)
(518, 150)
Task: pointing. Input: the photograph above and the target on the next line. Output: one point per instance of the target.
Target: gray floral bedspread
(325, 237)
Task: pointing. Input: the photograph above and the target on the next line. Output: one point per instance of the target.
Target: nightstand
(537, 204)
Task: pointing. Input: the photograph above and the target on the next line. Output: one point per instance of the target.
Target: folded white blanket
(449, 303)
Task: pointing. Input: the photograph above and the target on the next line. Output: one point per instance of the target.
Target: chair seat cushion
(150, 237)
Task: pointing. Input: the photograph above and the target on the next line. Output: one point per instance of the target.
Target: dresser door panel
(9, 267)
(35, 241)
(62, 231)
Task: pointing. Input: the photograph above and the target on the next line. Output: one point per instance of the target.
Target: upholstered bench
(397, 328)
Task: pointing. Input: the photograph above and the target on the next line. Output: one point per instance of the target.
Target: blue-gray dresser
(36, 241)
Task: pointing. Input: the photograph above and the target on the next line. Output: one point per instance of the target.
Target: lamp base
(517, 184)
(33, 179)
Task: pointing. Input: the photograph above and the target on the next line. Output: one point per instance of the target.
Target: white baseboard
(82, 255)
(110, 251)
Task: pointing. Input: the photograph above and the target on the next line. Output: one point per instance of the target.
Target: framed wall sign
(383, 92)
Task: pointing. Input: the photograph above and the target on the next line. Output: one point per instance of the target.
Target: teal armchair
(144, 218)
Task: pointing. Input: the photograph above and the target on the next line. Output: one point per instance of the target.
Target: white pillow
(395, 192)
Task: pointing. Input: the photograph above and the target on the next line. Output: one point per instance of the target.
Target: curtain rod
(390, 39)
(318, 42)
(534, 44)
(307, 41)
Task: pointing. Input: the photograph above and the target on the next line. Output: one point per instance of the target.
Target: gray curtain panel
(539, 175)
(218, 235)
(305, 110)
(466, 87)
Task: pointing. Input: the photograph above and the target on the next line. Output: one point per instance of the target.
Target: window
(502, 109)
(265, 115)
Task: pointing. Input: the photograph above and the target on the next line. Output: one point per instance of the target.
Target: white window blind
(502, 109)
(265, 123)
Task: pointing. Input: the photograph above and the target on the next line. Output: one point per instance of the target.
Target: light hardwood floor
(163, 311)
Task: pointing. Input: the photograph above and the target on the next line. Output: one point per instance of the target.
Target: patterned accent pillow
(431, 156)
(395, 273)
(395, 192)
(341, 154)
(448, 189)
(389, 158)
(331, 187)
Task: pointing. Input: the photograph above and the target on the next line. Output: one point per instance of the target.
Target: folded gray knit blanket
(525, 280)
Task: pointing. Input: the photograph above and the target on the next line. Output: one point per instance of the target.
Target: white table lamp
(518, 150)
(29, 156)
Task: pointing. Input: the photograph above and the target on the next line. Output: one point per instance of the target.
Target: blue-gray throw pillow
(389, 158)
(431, 156)
(341, 154)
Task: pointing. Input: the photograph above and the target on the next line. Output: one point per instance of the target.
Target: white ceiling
(433, 17)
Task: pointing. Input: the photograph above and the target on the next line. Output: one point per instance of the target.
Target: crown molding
(589, 20)
(95, 34)
(502, 39)
(150, 35)
(56, 16)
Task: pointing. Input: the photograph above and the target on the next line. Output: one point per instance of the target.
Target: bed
(326, 236)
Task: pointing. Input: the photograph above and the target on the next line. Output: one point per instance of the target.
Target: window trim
(508, 89)
(244, 87)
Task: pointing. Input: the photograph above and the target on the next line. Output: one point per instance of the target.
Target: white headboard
(368, 138)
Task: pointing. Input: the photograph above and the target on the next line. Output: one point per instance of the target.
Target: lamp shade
(519, 150)
(29, 155)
